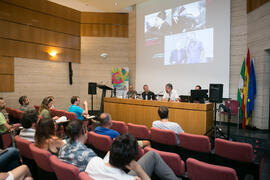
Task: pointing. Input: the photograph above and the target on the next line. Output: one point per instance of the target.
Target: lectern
(104, 89)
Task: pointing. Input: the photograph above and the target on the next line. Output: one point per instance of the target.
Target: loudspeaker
(70, 72)
(92, 88)
(216, 93)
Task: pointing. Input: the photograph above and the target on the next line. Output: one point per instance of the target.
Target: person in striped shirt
(29, 121)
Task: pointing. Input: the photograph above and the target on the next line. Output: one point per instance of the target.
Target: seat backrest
(18, 114)
(173, 160)
(236, 151)
(138, 131)
(41, 157)
(10, 111)
(23, 146)
(120, 127)
(162, 136)
(37, 107)
(6, 140)
(70, 115)
(234, 104)
(100, 142)
(194, 142)
(198, 170)
(56, 112)
(84, 176)
(64, 171)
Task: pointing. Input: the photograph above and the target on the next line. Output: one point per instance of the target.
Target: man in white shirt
(29, 121)
(170, 94)
(164, 123)
(122, 154)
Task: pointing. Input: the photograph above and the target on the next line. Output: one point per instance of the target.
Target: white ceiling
(99, 5)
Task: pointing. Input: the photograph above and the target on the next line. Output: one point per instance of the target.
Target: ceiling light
(116, 3)
(53, 53)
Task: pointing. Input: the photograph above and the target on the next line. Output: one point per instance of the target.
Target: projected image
(158, 23)
(189, 17)
(189, 48)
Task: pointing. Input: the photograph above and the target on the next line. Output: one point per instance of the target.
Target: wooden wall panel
(47, 7)
(104, 24)
(7, 83)
(35, 51)
(25, 16)
(6, 65)
(254, 4)
(104, 18)
(104, 30)
(21, 32)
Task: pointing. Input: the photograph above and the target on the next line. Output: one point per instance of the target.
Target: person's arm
(85, 106)
(133, 165)
(7, 126)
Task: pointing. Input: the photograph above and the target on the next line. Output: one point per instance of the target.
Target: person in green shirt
(4, 126)
(44, 110)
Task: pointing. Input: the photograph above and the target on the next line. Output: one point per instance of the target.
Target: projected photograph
(189, 47)
(158, 23)
(189, 17)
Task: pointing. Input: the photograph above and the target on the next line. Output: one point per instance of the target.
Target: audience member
(80, 113)
(9, 159)
(52, 107)
(4, 126)
(170, 94)
(105, 129)
(131, 92)
(122, 155)
(20, 173)
(147, 94)
(198, 87)
(75, 152)
(24, 102)
(45, 137)
(44, 110)
(29, 121)
(164, 123)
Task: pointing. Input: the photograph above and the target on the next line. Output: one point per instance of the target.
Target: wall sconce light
(52, 53)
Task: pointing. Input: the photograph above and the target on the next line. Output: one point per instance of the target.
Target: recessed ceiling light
(115, 3)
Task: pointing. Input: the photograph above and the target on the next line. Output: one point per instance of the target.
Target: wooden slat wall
(6, 74)
(254, 4)
(104, 24)
(32, 28)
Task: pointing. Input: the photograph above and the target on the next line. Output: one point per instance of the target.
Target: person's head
(46, 103)
(45, 129)
(198, 87)
(123, 150)
(105, 120)
(29, 119)
(163, 112)
(75, 100)
(146, 88)
(2, 103)
(24, 101)
(130, 88)
(76, 131)
(168, 88)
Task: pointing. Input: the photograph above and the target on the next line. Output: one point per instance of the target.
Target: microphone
(169, 99)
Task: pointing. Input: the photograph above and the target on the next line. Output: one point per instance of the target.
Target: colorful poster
(120, 80)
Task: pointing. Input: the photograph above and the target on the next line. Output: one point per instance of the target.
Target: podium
(104, 89)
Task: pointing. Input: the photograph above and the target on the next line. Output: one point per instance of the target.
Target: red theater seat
(120, 127)
(139, 131)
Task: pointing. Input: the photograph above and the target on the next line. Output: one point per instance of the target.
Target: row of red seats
(59, 113)
(236, 155)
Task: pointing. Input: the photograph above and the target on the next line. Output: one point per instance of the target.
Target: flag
(251, 91)
(240, 89)
(245, 90)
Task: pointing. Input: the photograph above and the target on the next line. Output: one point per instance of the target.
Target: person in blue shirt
(105, 126)
(80, 112)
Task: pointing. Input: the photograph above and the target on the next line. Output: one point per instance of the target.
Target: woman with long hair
(45, 137)
(44, 110)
